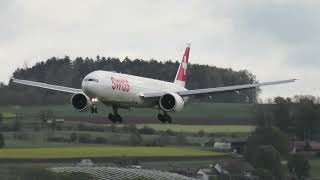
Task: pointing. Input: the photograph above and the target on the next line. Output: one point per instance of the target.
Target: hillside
(67, 72)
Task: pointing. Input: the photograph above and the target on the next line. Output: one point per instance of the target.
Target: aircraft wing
(217, 89)
(48, 86)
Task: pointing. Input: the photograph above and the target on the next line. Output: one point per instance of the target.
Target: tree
(305, 116)
(73, 137)
(84, 138)
(135, 139)
(267, 157)
(2, 141)
(263, 174)
(1, 118)
(181, 139)
(281, 113)
(266, 136)
(299, 165)
(70, 73)
(201, 133)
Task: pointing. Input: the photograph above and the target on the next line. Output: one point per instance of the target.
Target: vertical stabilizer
(181, 76)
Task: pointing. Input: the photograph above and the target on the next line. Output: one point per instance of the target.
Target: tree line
(279, 123)
(70, 73)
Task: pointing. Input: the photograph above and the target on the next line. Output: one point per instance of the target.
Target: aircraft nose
(86, 88)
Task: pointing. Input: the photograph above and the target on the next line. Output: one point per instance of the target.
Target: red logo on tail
(182, 72)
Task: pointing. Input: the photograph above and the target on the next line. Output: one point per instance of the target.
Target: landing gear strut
(115, 117)
(164, 117)
(94, 109)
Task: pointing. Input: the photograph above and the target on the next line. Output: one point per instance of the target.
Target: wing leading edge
(48, 86)
(217, 89)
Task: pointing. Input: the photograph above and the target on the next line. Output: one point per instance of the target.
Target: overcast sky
(273, 39)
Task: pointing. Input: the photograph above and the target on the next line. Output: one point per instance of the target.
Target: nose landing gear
(94, 109)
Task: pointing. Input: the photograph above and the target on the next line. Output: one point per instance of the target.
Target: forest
(67, 72)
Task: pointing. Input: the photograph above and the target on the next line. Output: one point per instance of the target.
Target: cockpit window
(91, 79)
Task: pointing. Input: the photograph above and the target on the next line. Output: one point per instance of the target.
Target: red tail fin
(181, 76)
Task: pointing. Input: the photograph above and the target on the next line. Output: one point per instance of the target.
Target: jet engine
(171, 102)
(81, 102)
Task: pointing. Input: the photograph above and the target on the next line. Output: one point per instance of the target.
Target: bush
(201, 133)
(135, 139)
(82, 127)
(2, 141)
(21, 135)
(57, 139)
(73, 137)
(100, 140)
(169, 132)
(147, 130)
(299, 165)
(181, 139)
(84, 138)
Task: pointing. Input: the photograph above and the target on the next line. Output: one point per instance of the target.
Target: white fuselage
(125, 90)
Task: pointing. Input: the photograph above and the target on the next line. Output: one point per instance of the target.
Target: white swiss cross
(184, 67)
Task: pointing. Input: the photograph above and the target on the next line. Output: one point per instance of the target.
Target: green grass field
(197, 128)
(315, 168)
(8, 115)
(212, 110)
(84, 152)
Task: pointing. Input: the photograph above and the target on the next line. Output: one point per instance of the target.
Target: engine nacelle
(81, 102)
(171, 102)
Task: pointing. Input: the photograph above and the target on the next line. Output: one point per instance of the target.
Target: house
(228, 144)
(312, 146)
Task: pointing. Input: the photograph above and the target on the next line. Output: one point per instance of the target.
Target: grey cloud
(292, 24)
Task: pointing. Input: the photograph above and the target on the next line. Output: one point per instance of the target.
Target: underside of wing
(47, 86)
(217, 89)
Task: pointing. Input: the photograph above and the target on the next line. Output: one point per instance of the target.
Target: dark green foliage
(16, 126)
(63, 71)
(266, 136)
(306, 114)
(73, 137)
(1, 118)
(263, 174)
(267, 157)
(201, 133)
(83, 127)
(298, 165)
(132, 128)
(147, 130)
(135, 139)
(282, 113)
(2, 141)
(84, 138)
(181, 139)
(100, 140)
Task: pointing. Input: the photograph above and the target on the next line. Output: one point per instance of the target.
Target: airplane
(124, 91)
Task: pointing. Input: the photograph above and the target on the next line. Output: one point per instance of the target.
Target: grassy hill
(193, 113)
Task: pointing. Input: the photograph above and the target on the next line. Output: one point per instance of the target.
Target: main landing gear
(164, 118)
(115, 117)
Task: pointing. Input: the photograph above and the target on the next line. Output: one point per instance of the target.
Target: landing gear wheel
(164, 118)
(118, 118)
(115, 118)
(169, 119)
(161, 118)
(111, 118)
